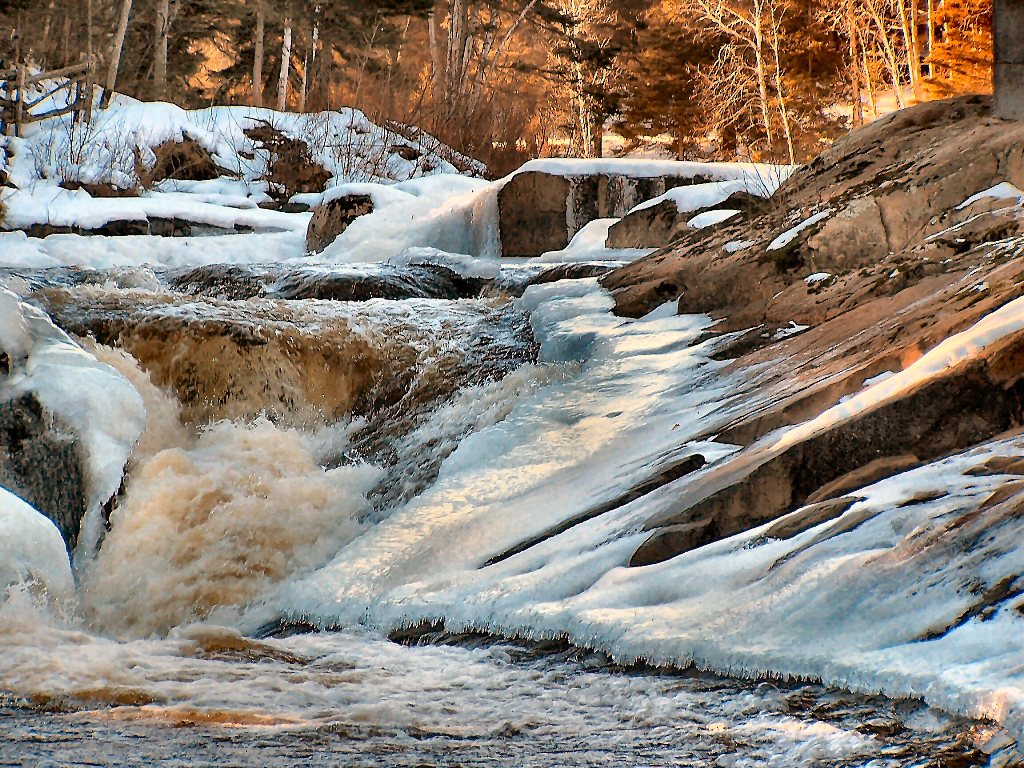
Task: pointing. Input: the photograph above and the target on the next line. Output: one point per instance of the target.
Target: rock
(972, 402)
(569, 272)
(185, 160)
(532, 216)
(810, 516)
(892, 191)
(41, 461)
(332, 218)
(650, 227)
(539, 211)
(861, 477)
(674, 540)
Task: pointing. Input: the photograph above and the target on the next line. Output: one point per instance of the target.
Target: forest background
(509, 80)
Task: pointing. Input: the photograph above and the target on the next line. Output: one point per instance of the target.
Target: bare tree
(257, 62)
(115, 49)
(160, 32)
(286, 60)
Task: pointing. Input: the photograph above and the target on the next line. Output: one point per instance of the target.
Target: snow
(817, 277)
(31, 550)
(735, 246)
(1002, 191)
(790, 330)
(790, 234)
(952, 351)
(640, 168)
(710, 218)
(45, 204)
(589, 245)
(762, 181)
(102, 407)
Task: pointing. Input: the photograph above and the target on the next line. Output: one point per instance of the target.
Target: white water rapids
(228, 530)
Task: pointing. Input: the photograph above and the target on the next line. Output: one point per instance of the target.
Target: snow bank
(100, 405)
(32, 551)
(651, 168)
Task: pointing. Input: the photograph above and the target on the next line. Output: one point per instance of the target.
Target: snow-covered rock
(100, 408)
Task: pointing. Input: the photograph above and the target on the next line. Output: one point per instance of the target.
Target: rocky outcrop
(333, 217)
(658, 225)
(888, 196)
(972, 403)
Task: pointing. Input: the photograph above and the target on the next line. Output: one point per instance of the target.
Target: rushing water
(284, 425)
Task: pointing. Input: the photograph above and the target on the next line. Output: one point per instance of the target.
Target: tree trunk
(163, 23)
(257, 61)
(931, 39)
(286, 60)
(762, 81)
(437, 71)
(857, 117)
(115, 50)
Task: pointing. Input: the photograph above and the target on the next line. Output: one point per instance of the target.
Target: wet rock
(41, 461)
(569, 272)
(333, 217)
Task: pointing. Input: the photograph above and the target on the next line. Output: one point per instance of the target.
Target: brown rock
(872, 472)
(532, 214)
(674, 540)
(332, 218)
(808, 517)
(650, 227)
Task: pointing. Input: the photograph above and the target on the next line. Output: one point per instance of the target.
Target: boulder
(540, 211)
(41, 462)
(333, 217)
(650, 227)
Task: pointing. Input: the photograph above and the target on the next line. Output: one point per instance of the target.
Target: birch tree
(286, 60)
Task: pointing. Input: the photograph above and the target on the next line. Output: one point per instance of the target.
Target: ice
(787, 237)
(849, 601)
(102, 408)
(32, 551)
(968, 344)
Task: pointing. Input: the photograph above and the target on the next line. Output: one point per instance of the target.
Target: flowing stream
(355, 452)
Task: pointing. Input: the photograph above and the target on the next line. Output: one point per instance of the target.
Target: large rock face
(901, 236)
(540, 211)
(333, 217)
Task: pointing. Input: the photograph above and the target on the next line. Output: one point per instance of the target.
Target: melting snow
(787, 237)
